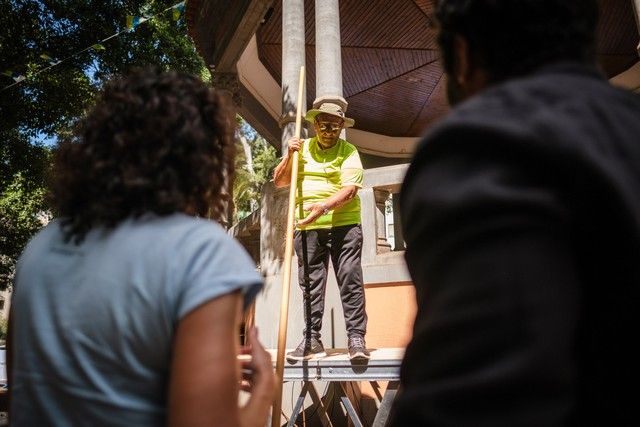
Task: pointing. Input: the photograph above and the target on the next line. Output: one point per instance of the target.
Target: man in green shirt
(328, 227)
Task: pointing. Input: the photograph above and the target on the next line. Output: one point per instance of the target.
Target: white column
(328, 52)
(293, 57)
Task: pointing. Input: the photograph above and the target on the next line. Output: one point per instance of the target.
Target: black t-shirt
(521, 213)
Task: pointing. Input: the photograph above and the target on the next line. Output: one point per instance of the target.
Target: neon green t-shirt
(321, 173)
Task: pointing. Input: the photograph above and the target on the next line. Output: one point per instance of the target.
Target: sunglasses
(333, 127)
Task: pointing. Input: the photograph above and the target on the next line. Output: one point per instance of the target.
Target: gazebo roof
(392, 75)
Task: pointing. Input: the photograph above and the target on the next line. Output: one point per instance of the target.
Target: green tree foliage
(255, 162)
(46, 104)
(22, 203)
(22, 213)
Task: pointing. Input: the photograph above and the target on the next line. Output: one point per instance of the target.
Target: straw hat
(332, 109)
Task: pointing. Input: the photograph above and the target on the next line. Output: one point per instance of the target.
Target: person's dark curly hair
(155, 142)
(509, 38)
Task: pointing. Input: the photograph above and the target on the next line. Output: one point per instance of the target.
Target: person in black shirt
(521, 212)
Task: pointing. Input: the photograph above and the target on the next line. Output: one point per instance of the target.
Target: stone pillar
(293, 57)
(274, 205)
(329, 56)
(227, 84)
(328, 53)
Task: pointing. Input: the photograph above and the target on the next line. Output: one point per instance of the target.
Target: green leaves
(255, 161)
(22, 198)
(22, 213)
(35, 34)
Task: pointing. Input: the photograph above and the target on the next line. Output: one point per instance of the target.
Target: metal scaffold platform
(384, 365)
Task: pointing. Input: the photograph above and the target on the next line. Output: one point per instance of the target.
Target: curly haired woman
(126, 308)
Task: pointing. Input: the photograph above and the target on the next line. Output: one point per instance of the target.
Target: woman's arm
(205, 373)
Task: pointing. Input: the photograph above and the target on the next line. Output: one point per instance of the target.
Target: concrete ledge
(381, 272)
(388, 178)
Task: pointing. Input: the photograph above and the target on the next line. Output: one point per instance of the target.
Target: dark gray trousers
(344, 246)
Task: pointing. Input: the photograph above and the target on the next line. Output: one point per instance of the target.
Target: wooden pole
(288, 255)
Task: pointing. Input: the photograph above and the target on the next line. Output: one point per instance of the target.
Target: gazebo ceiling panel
(435, 107)
(391, 75)
(376, 110)
(618, 36)
(616, 26)
(211, 23)
(377, 24)
(383, 65)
